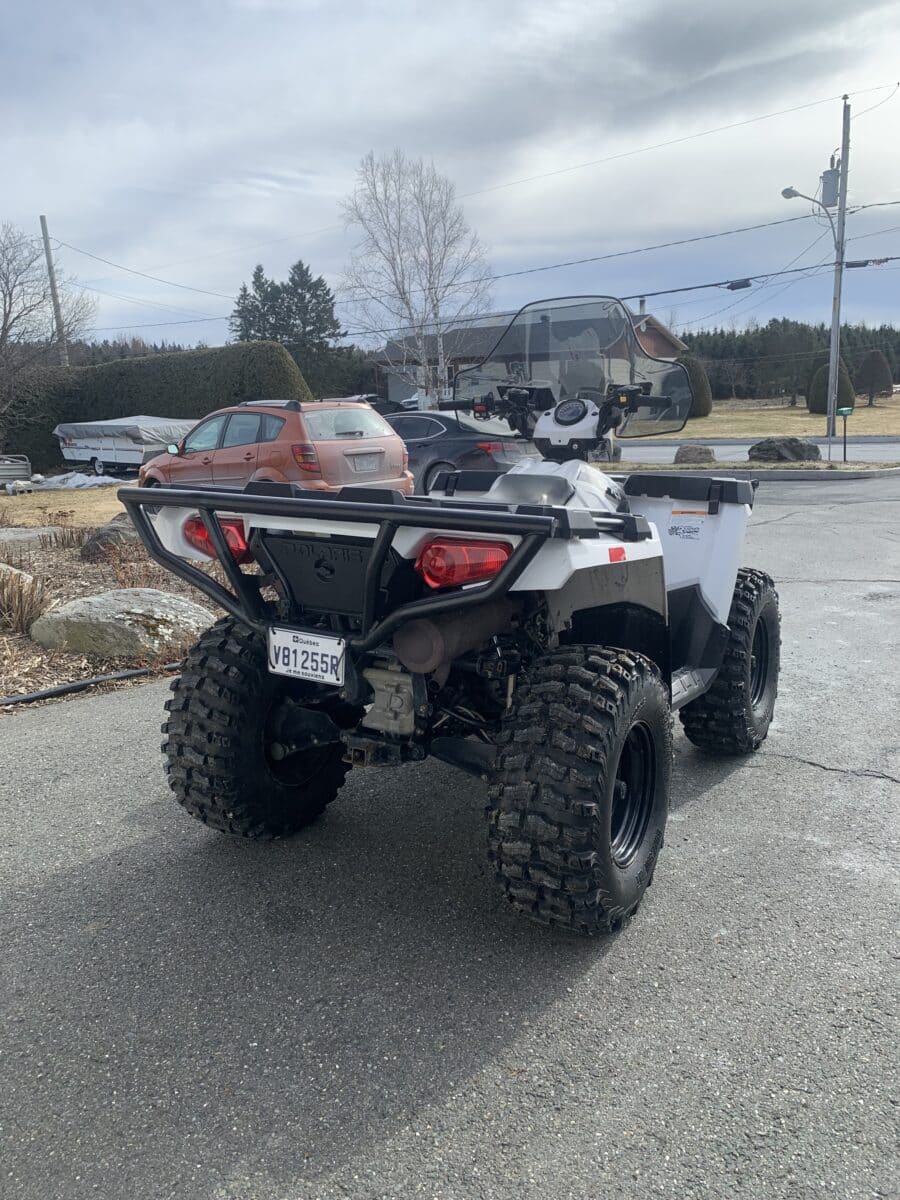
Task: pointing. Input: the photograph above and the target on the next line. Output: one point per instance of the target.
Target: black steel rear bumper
(533, 525)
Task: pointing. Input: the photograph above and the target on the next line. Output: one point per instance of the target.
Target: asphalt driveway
(353, 1013)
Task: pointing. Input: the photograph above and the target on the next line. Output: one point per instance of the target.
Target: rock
(126, 623)
(120, 531)
(694, 454)
(6, 569)
(784, 449)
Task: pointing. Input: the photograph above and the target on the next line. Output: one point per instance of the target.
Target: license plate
(365, 462)
(306, 655)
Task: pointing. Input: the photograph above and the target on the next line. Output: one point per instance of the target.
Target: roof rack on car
(294, 405)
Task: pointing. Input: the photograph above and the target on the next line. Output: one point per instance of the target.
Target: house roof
(642, 321)
(472, 342)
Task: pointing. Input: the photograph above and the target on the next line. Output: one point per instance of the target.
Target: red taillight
(490, 447)
(306, 458)
(451, 562)
(196, 533)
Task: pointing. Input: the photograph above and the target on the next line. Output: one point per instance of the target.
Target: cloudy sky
(191, 140)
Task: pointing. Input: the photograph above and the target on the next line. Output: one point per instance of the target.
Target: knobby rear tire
(216, 742)
(579, 715)
(733, 717)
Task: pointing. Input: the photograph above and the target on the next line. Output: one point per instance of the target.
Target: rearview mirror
(172, 448)
(664, 405)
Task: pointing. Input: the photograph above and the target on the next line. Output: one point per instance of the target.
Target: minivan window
(271, 427)
(242, 430)
(327, 424)
(205, 436)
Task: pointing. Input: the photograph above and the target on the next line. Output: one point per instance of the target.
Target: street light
(835, 172)
(790, 193)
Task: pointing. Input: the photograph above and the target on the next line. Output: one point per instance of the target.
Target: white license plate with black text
(365, 462)
(306, 655)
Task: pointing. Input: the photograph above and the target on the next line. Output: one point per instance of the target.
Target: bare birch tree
(418, 268)
(27, 333)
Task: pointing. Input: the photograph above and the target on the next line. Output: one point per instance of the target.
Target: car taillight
(490, 447)
(452, 562)
(196, 533)
(306, 458)
(405, 459)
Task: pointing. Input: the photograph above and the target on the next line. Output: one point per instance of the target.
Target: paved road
(352, 1014)
(870, 451)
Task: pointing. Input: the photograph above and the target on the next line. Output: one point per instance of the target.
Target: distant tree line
(780, 358)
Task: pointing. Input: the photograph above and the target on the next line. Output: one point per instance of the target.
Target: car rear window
(414, 429)
(326, 424)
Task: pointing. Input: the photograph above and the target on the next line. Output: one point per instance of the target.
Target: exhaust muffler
(429, 643)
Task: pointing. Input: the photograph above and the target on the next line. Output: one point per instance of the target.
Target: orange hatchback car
(324, 446)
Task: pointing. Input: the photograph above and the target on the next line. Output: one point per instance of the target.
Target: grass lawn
(884, 419)
(80, 509)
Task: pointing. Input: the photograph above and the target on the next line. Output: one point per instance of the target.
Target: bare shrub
(22, 600)
(67, 538)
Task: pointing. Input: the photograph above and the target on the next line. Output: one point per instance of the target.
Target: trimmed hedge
(702, 402)
(186, 385)
(817, 400)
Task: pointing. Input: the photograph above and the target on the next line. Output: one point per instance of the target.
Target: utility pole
(54, 295)
(835, 351)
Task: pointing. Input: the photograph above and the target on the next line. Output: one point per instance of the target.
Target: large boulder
(784, 449)
(120, 531)
(694, 454)
(125, 623)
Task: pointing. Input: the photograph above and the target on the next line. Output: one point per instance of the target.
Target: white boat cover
(144, 431)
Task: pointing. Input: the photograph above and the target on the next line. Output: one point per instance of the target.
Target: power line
(143, 274)
(83, 287)
(560, 171)
(645, 295)
(291, 237)
(155, 324)
(744, 299)
(578, 262)
(872, 107)
(671, 142)
(643, 249)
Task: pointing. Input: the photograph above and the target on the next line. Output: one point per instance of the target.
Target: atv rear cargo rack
(533, 524)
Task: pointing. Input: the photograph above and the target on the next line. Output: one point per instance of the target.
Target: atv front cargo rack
(532, 524)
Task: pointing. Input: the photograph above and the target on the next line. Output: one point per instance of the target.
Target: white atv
(535, 628)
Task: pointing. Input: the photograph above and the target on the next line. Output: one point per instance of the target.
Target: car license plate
(365, 462)
(302, 654)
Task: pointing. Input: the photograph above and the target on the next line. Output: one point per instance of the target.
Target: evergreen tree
(817, 400)
(873, 376)
(701, 405)
(299, 312)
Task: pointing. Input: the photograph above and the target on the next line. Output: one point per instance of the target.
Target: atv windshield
(581, 346)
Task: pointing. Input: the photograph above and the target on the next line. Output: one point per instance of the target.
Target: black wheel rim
(633, 790)
(759, 663)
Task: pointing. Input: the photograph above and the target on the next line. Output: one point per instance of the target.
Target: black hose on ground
(81, 685)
